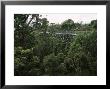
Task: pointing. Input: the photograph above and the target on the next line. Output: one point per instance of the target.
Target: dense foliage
(43, 48)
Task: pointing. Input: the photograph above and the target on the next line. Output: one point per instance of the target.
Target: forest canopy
(42, 48)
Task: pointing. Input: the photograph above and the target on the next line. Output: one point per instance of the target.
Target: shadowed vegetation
(48, 49)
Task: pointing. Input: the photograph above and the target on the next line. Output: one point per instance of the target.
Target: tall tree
(68, 25)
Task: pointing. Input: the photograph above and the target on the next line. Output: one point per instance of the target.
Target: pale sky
(59, 18)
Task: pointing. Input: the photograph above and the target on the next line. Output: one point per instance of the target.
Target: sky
(80, 17)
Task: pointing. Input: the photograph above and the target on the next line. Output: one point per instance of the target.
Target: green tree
(51, 63)
(23, 32)
(84, 52)
(94, 24)
(68, 25)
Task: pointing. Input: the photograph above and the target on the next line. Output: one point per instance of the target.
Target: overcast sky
(59, 18)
